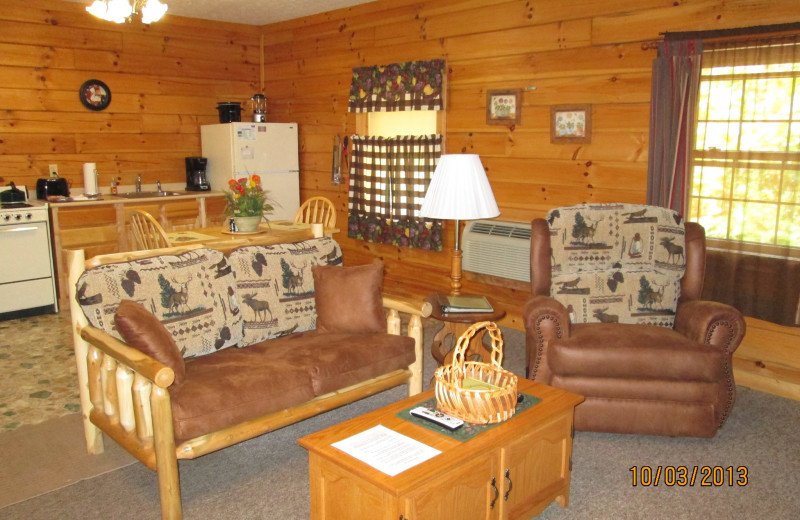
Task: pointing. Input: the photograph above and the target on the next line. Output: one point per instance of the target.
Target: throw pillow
(349, 299)
(143, 331)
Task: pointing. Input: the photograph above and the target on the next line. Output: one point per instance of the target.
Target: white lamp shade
(459, 190)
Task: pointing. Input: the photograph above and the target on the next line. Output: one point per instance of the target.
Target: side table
(454, 324)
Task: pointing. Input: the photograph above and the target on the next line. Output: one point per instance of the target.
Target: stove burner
(15, 205)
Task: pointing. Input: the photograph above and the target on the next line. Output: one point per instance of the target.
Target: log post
(169, 487)
(93, 435)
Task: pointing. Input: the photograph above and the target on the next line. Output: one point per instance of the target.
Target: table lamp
(459, 191)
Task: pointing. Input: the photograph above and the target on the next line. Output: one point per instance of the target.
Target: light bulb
(152, 11)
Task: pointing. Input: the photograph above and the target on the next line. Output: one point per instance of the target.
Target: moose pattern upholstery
(617, 263)
(208, 301)
(646, 365)
(276, 286)
(192, 294)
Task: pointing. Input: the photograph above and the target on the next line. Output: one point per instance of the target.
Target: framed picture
(95, 95)
(571, 124)
(503, 106)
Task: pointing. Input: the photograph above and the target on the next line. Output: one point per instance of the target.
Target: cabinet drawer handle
(510, 484)
(496, 494)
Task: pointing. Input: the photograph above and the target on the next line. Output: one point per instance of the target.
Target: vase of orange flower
(248, 203)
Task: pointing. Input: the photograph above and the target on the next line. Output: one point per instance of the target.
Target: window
(746, 161)
(390, 172)
(389, 175)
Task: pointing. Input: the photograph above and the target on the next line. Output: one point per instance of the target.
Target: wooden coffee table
(514, 470)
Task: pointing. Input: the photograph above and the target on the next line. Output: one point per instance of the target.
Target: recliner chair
(616, 316)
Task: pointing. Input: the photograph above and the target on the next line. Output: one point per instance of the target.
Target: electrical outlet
(53, 170)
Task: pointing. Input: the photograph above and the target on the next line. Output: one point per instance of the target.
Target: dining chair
(147, 232)
(317, 210)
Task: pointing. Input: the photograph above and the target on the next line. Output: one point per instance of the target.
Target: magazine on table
(464, 303)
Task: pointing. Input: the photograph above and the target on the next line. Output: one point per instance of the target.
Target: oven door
(26, 267)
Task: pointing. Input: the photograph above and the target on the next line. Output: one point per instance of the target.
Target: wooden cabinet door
(535, 469)
(337, 493)
(463, 493)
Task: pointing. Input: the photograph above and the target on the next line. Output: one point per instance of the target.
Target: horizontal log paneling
(165, 79)
(575, 51)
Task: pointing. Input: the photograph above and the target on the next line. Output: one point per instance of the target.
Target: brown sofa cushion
(237, 385)
(635, 352)
(349, 299)
(143, 331)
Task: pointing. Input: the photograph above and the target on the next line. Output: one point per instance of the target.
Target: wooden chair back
(317, 210)
(147, 232)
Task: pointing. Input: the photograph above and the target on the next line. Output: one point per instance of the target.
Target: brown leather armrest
(545, 320)
(711, 323)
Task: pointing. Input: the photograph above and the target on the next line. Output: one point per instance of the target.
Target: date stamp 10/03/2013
(681, 476)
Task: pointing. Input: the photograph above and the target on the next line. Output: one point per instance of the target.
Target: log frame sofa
(124, 393)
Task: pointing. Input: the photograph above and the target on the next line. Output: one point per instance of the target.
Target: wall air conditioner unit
(498, 248)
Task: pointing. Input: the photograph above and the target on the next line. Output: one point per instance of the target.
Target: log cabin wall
(558, 52)
(165, 81)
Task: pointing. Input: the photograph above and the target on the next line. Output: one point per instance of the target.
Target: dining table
(269, 232)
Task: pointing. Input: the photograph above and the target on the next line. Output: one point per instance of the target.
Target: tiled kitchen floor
(37, 370)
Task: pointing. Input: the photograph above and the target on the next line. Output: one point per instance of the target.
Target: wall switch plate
(53, 170)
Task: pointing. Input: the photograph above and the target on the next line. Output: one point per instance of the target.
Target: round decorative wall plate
(95, 95)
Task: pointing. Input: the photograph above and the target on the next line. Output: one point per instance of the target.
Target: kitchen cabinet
(101, 227)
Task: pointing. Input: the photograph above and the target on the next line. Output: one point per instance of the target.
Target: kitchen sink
(147, 194)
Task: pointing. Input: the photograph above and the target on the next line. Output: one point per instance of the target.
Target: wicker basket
(476, 392)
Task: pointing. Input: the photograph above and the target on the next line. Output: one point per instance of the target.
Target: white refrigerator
(236, 150)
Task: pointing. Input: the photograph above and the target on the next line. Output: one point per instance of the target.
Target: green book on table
(464, 303)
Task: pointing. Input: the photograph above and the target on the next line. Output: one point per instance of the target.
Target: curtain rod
(739, 31)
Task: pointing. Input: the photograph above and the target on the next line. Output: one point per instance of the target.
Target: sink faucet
(158, 186)
(139, 183)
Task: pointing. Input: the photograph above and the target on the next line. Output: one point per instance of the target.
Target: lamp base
(455, 272)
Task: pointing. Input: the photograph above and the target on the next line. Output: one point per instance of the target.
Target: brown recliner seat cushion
(236, 385)
(642, 352)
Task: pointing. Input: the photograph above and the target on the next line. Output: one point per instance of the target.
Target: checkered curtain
(414, 85)
(388, 181)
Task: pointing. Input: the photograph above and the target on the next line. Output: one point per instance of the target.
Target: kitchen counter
(100, 226)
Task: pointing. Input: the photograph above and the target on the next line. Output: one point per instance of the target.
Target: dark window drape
(673, 105)
(388, 181)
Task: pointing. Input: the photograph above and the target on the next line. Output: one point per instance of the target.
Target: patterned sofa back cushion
(276, 287)
(617, 262)
(192, 294)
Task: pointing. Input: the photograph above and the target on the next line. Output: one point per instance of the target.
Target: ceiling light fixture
(120, 11)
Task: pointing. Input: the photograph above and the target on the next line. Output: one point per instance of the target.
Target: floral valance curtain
(388, 181)
(415, 85)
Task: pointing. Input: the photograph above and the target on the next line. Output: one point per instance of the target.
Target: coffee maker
(196, 174)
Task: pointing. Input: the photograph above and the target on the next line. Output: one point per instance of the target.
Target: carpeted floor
(47, 456)
(267, 477)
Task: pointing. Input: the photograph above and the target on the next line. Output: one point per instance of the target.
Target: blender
(259, 103)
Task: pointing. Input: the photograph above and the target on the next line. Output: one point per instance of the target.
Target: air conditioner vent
(498, 248)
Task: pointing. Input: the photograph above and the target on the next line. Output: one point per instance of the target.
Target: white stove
(27, 282)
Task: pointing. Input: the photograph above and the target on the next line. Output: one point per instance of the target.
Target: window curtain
(388, 181)
(673, 104)
(746, 168)
(415, 85)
